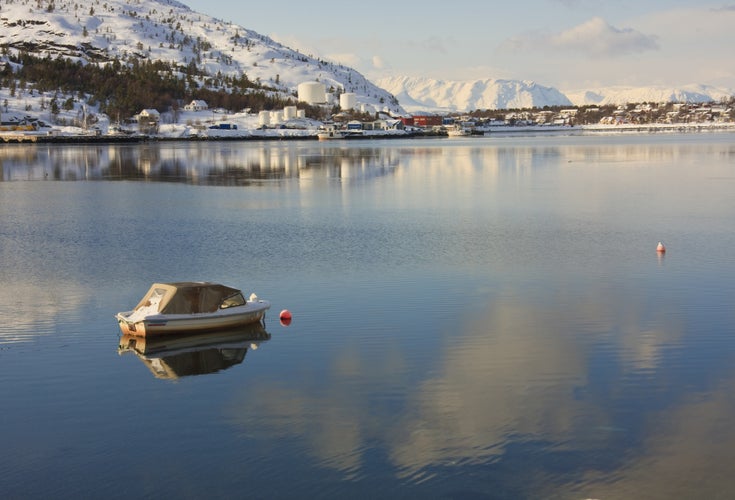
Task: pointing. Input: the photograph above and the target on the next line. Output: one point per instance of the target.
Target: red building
(427, 121)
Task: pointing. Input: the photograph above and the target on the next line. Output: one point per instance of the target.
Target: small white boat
(188, 307)
(329, 133)
(459, 132)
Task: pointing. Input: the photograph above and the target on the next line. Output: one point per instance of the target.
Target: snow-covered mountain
(426, 94)
(94, 30)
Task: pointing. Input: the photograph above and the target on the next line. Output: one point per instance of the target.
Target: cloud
(378, 62)
(348, 59)
(432, 44)
(594, 38)
(597, 37)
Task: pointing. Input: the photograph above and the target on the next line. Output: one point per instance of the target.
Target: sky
(566, 44)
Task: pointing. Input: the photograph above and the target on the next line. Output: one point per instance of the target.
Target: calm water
(473, 318)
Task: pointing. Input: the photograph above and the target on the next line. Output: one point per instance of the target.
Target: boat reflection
(175, 356)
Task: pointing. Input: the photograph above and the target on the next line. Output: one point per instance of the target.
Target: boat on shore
(326, 134)
(459, 132)
(189, 307)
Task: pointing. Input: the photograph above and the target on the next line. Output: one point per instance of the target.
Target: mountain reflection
(225, 164)
(176, 356)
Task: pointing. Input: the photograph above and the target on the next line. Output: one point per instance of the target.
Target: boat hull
(177, 324)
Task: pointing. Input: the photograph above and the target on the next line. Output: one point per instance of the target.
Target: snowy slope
(94, 30)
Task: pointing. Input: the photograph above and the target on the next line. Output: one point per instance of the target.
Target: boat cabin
(189, 298)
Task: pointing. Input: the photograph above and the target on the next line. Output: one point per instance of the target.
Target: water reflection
(687, 453)
(491, 318)
(31, 310)
(226, 164)
(236, 164)
(553, 378)
(174, 356)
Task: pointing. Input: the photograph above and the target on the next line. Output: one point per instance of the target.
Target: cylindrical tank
(300, 113)
(348, 100)
(264, 118)
(289, 112)
(276, 116)
(312, 92)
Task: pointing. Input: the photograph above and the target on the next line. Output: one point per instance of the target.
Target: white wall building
(196, 105)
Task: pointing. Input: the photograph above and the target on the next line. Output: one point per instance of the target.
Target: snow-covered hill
(92, 30)
(426, 94)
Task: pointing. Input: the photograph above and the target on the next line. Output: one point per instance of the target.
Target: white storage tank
(264, 118)
(300, 113)
(276, 117)
(312, 92)
(348, 100)
(289, 112)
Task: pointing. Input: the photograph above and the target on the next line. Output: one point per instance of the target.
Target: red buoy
(285, 317)
(661, 248)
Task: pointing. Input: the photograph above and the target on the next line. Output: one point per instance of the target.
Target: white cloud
(378, 62)
(347, 59)
(300, 44)
(594, 38)
(431, 44)
(597, 37)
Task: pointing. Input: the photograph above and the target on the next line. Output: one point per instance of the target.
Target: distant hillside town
(628, 114)
(42, 119)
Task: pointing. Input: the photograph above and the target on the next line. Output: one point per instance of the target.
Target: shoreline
(36, 137)
(624, 128)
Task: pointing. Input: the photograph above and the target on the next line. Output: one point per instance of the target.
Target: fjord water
(473, 318)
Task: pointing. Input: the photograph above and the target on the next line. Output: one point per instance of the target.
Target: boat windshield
(232, 301)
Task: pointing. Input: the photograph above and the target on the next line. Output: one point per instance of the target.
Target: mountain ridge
(421, 94)
(427, 94)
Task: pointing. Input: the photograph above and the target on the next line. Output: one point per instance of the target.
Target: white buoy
(661, 248)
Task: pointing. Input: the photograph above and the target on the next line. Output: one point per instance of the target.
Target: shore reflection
(225, 164)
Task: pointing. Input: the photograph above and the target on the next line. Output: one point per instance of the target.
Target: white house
(148, 121)
(150, 114)
(196, 105)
